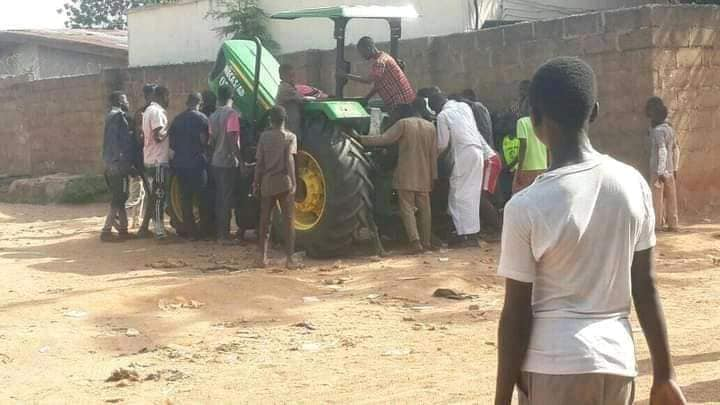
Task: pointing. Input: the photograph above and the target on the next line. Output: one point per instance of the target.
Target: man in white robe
(457, 131)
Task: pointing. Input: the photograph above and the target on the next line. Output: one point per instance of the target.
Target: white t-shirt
(154, 152)
(573, 234)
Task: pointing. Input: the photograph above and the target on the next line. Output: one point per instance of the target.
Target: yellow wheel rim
(310, 194)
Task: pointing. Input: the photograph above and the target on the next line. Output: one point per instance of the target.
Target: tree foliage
(103, 14)
(243, 19)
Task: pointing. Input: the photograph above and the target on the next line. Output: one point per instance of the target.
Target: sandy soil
(73, 310)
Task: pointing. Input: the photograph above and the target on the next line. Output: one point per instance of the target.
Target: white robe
(468, 150)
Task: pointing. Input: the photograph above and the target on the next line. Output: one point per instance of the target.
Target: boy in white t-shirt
(576, 246)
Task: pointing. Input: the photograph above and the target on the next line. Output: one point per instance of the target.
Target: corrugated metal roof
(114, 42)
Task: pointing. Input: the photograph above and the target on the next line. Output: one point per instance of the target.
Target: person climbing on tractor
(386, 76)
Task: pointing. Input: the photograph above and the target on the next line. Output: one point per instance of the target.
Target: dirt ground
(193, 323)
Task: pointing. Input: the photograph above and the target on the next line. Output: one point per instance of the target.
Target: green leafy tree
(243, 19)
(103, 14)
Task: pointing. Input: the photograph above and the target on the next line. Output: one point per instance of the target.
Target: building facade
(41, 54)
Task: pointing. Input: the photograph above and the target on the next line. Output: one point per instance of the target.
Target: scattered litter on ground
(231, 324)
(123, 374)
(57, 290)
(168, 264)
(409, 278)
(44, 349)
(305, 324)
(474, 307)
(452, 294)
(443, 259)
(338, 265)
(114, 400)
(177, 303)
(408, 319)
(5, 359)
(421, 307)
(715, 261)
(167, 375)
(397, 352)
(333, 281)
(132, 332)
(247, 334)
(311, 347)
(310, 300)
(490, 343)
(75, 313)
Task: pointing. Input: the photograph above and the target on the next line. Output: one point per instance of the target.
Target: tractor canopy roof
(371, 12)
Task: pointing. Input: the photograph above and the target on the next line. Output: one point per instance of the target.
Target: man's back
(186, 138)
(573, 234)
(273, 154)
(391, 82)
(155, 152)
(223, 122)
(417, 163)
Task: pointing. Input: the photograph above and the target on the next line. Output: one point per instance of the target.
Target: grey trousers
(585, 389)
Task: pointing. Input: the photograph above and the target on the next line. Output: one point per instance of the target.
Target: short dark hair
(277, 115)
(427, 92)
(405, 111)
(115, 97)
(469, 94)
(656, 106)
(563, 89)
(149, 89)
(366, 43)
(194, 99)
(225, 93)
(285, 67)
(161, 91)
(420, 105)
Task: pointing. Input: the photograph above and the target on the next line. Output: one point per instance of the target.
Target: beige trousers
(410, 201)
(665, 201)
(585, 389)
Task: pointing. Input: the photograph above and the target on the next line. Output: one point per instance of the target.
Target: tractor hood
(235, 66)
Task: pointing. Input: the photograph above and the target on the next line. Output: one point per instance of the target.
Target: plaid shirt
(390, 81)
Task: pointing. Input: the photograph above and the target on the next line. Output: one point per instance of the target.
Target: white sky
(19, 14)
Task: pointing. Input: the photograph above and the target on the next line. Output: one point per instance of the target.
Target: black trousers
(193, 183)
(118, 184)
(224, 192)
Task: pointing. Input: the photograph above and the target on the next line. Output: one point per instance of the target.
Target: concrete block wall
(52, 126)
(686, 74)
(671, 51)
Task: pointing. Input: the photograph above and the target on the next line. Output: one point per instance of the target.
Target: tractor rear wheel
(333, 188)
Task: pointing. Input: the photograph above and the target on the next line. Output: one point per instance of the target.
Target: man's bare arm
(652, 320)
(357, 78)
(160, 134)
(513, 338)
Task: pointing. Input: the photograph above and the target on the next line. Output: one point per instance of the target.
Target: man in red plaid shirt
(386, 76)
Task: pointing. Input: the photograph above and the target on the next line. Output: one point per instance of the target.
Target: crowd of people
(577, 235)
(487, 158)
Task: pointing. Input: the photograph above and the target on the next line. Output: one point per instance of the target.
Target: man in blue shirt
(188, 140)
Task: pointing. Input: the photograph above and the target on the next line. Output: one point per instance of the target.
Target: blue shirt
(188, 137)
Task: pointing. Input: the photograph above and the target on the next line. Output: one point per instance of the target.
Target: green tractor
(338, 180)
